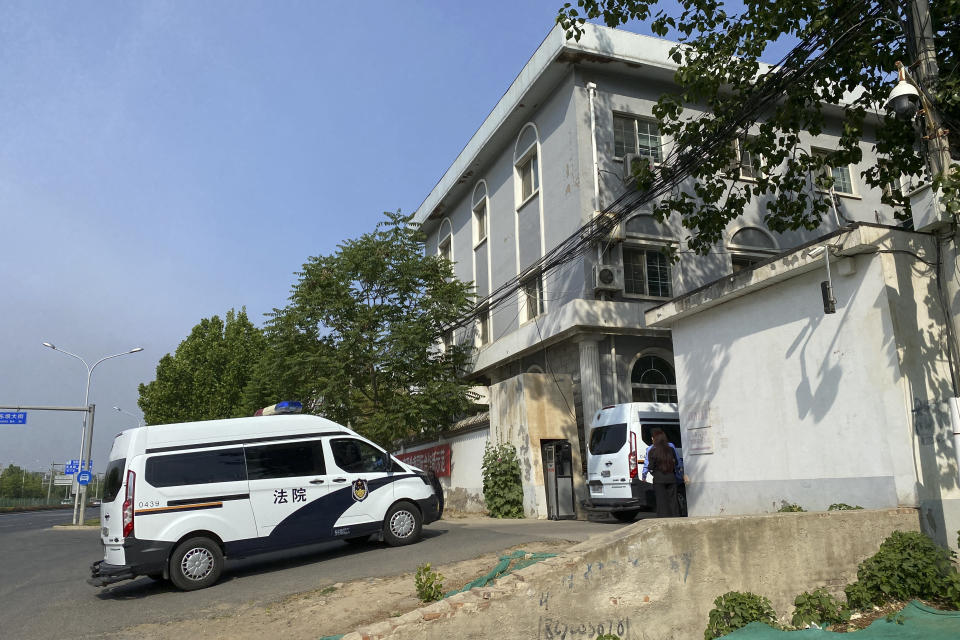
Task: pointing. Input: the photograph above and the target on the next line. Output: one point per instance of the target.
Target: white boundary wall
(463, 490)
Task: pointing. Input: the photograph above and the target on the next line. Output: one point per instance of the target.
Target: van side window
(670, 429)
(356, 456)
(201, 467)
(285, 460)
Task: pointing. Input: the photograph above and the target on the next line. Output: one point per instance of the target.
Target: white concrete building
(546, 160)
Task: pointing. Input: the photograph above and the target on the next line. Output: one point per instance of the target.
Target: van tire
(626, 516)
(196, 563)
(402, 525)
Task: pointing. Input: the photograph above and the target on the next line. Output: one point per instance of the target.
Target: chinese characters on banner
(436, 459)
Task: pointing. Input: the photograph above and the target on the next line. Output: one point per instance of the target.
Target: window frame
(480, 214)
(484, 327)
(636, 119)
(670, 389)
(739, 165)
(536, 280)
(754, 254)
(522, 159)
(828, 170)
(645, 248)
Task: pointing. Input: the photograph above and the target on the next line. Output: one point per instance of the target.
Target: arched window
(653, 380)
(525, 162)
(479, 213)
(750, 246)
(644, 224)
(445, 244)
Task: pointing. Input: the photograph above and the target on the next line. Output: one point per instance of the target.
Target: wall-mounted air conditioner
(607, 277)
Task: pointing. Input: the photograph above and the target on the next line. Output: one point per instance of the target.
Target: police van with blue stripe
(179, 498)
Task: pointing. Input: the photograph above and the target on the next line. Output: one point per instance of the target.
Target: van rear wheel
(196, 563)
(626, 516)
(402, 525)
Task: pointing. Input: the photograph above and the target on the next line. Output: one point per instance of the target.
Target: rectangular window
(532, 297)
(483, 326)
(113, 479)
(444, 248)
(480, 222)
(356, 456)
(529, 181)
(608, 439)
(635, 135)
(202, 467)
(286, 460)
(841, 177)
(743, 162)
(646, 272)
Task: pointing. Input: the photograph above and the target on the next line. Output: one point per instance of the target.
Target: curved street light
(86, 439)
(139, 421)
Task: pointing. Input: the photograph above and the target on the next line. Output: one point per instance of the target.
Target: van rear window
(201, 467)
(609, 439)
(113, 479)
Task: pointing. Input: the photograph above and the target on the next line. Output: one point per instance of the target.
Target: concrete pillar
(590, 377)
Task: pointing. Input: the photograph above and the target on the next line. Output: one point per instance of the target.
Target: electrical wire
(805, 59)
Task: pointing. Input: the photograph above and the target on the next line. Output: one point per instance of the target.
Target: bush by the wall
(907, 565)
(819, 607)
(788, 507)
(842, 506)
(736, 609)
(502, 486)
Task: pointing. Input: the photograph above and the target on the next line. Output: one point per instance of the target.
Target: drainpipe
(613, 356)
(954, 405)
(592, 93)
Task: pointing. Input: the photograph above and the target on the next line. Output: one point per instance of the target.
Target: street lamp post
(139, 421)
(86, 437)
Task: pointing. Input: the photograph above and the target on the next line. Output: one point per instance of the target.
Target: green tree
(847, 44)
(15, 483)
(358, 341)
(206, 377)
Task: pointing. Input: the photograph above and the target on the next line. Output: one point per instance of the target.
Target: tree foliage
(206, 376)
(858, 43)
(17, 483)
(358, 340)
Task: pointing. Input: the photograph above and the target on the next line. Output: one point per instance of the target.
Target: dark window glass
(285, 460)
(670, 429)
(609, 439)
(113, 479)
(356, 456)
(202, 467)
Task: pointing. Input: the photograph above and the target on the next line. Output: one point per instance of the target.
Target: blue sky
(162, 162)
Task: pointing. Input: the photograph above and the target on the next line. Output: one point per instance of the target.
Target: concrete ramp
(658, 578)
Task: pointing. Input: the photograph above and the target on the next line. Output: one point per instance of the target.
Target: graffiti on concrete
(681, 562)
(556, 629)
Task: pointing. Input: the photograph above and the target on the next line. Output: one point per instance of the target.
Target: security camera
(904, 101)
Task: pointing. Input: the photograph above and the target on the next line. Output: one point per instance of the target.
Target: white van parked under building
(179, 498)
(617, 442)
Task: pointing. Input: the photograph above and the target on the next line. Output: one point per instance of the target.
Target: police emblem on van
(360, 491)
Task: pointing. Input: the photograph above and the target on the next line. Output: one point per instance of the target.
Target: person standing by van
(662, 460)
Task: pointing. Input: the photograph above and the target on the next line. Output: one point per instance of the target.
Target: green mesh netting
(508, 564)
(916, 622)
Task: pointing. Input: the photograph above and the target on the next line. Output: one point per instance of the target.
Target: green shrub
(736, 609)
(842, 506)
(502, 488)
(608, 636)
(819, 607)
(429, 584)
(907, 565)
(788, 507)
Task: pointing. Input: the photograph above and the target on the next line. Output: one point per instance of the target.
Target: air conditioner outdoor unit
(607, 277)
(629, 159)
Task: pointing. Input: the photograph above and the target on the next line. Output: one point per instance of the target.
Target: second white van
(618, 439)
(179, 498)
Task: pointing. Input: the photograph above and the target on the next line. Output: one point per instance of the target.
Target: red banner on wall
(436, 459)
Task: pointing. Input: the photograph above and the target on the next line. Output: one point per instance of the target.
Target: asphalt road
(43, 571)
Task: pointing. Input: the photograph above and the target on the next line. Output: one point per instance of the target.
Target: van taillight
(632, 459)
(128, 504)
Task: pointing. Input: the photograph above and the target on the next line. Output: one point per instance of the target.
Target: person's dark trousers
(666, 494)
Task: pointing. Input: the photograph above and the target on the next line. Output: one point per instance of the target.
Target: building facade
(547, 159)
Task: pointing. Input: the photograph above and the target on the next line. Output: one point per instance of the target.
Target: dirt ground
(333, 610)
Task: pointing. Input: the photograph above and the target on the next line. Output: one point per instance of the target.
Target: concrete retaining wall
(658, 578)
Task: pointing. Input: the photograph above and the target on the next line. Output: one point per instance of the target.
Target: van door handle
(608, 463)
(339, 479)
(316, 481)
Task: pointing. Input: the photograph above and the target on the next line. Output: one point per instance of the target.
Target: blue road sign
(13, 417)
(84, 477)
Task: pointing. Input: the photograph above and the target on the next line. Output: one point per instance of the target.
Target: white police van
(178, 498)
(618, 439)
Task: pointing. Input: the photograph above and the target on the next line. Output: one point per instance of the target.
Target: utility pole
(920, 33)
(50, 484)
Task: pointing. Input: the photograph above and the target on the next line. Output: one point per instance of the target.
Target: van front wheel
(196, 563)
(402, 524)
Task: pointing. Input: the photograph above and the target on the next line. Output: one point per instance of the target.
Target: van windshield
(608, 439)
(113, 479)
